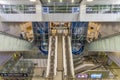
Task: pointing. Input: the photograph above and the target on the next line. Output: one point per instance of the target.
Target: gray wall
(108, 28)
(11, 28)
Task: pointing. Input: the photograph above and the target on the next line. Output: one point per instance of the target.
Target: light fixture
(32, 0)
(89, 0)
(72, 1)
(60, 0)
(49, 1)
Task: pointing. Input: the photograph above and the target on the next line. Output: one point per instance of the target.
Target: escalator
(60, 54)
(58, 75)
(68, 57)
(51, 59)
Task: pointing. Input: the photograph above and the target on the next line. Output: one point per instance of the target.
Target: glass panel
(15, 9)
(115, 8)
(103, 9)
(92, 9)
(45, 10)
(61, 8)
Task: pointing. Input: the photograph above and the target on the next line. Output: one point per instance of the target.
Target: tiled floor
(38, 73)
(115, 70)
(58, 76)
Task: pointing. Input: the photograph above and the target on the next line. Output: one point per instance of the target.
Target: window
(75, 9)
(92, 9)
(45, 10)
(61, 8)
(102, 9)
(17, 9)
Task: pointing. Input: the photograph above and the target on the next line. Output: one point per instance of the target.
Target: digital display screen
(96, 76)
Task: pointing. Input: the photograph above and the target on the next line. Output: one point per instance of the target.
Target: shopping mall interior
(59, 39)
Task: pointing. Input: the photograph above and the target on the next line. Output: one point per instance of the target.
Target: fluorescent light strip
(32, 0)
(89, 0)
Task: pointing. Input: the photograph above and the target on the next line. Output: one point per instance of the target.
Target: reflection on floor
(38, 74)
(115, 70)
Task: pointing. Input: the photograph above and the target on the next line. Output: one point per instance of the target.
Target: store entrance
(60, 28)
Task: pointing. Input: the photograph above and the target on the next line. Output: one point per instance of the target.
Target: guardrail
(12, 43)
(55, 60)
(109, 43)
(7, 34)
(64, 57)
(48, 62)
(71, 58)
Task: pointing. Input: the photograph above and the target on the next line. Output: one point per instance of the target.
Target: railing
(48, 62)
(7, 34)
(64, 57)
(109, 43)
(17, 9)
(108, 36)
(13, 43)
(71, 57)
(55, 60)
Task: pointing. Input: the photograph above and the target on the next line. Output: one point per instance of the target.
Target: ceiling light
(89, 0)
(32, 0)
(60, 0)
(49, 1)
(72, 1)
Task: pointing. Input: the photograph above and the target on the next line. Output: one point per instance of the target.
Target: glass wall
(17, 9)
(102, 9)
(61, 8)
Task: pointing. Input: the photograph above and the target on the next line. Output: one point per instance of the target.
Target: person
(22, 35)
(43, 73)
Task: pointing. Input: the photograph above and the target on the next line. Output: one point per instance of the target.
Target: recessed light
(60, 0)
(49, 1)
(72, 1)
(32, 0)
(89, 0)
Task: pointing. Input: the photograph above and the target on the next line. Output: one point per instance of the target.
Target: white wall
(20, 17)
(60, 17)
(98, 17)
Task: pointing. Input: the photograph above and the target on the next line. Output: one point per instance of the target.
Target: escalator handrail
(10, 35)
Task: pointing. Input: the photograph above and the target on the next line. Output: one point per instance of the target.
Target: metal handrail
(108, 36)
(7, 34)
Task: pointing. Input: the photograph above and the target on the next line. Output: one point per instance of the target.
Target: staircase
(60, 54)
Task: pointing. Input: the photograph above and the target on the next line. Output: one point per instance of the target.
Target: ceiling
(64, 1)
(58, 3)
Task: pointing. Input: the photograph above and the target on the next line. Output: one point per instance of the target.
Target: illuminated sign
(45, 10)
(82, 76)
(96, 76)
